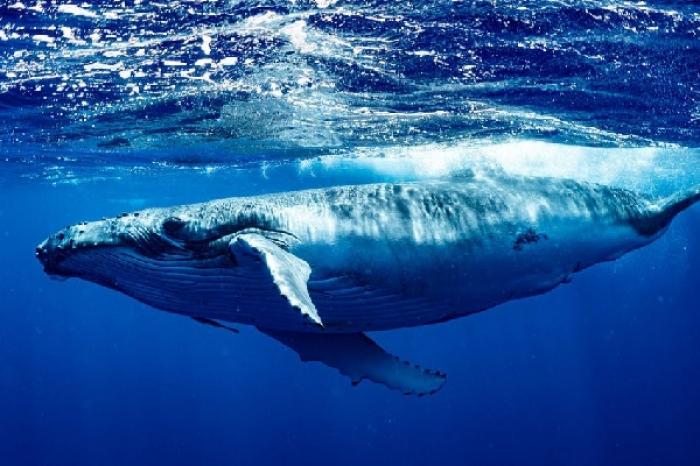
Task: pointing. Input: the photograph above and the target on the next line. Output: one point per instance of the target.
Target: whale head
(155, 254)
(74, 250)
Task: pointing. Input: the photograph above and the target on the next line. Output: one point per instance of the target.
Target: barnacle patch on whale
(529, 236)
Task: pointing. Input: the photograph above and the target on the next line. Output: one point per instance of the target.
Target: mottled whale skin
(350, 259)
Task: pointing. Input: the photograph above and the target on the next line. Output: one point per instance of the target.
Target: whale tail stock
(677, 203)
(666, 210)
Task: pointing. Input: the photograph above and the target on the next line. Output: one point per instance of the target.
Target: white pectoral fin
(288, 272)
(359, 357)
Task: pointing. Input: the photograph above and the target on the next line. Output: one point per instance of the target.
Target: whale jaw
(176, 284)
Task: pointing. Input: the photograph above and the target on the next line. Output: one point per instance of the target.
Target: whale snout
(65, 243)
(144, 255)
(54, 250)
(77, 249)
(45, 256)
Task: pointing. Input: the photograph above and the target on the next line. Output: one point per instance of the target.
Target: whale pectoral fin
(359, 357)
(288, 272)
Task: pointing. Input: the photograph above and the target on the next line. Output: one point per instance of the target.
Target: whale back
(443, 212)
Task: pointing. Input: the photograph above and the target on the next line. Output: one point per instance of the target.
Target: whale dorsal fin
(358, 357)
(288, 272)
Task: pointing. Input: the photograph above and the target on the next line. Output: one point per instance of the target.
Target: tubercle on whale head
(57, 247)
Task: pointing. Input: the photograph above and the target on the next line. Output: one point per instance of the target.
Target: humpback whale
(315, 269)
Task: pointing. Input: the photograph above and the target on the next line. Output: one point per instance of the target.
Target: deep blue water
(118, 106)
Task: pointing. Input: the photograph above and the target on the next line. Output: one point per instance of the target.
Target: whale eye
(173, 226)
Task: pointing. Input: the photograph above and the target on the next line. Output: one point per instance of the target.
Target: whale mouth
(51, 260)
(171, 282)
(135, 252)
(105, 263)
(75, 249)
(54, 261)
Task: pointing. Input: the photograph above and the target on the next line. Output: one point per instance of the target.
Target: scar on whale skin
(528, 237)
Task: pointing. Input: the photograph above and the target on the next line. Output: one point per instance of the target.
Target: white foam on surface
(297, 34)
(76, 11)
(228, 61)
(97, 66)
(206, 44)
(43, 38)
(649, 169)
(325, 3)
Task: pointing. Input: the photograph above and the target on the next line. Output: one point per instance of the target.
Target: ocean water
(113, 106)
